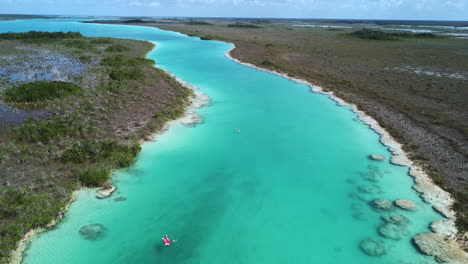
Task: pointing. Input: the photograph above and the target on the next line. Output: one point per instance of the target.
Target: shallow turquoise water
(286, 189)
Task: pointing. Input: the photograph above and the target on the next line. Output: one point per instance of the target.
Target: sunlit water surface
(292, 187)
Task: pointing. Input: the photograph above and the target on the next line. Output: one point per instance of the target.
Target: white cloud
(455, 3)
(189, 3)
(146, 4)
(246, 3)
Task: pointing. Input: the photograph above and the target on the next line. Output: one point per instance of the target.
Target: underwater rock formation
(382, 204)
(406, 205)
(436, 245)
(373, 247)
(393, 231)
(373, 174)
(105, 192)
(377, 157)
(397, 219)
(370, 189)
(93, 232)
(120, 199)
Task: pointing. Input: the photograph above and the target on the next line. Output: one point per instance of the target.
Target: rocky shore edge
(190, 119)
(442, 243)
(17, 255)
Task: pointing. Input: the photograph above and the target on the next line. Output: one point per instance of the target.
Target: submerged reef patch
(93, 232)
(370, 189)
(373, 174)
(382, 204)
(373, 247)
(393, 231)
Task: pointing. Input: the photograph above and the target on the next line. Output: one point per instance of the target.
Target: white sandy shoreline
(444, 230)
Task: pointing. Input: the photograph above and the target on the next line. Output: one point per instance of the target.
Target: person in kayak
(167, 241)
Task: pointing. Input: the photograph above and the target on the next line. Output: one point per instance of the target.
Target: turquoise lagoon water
(291, 187)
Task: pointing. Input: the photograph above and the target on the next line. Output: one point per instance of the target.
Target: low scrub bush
(26, 209)
(373, 34)
(267, 63)
(207, 37)
(381, 35)
(242, 25)
(126, 61)
(107, 151)
(199, 23)
(93, 176)
(41, 35)
(41, 90)
(85, 58)
(78, 44)
(100, 41)
(121, 74)
(117, 48)
(33, 130)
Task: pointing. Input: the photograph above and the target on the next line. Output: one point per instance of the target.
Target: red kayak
(167, 241)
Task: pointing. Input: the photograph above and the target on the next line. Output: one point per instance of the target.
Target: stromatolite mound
(370, 189)
(382, 204)
(373, 174)
(120, 199)
(406, 205)
(105, 192)
(393, 231)
(444, 250)
(93, 232)
(377, 157)
(373, 247)
(397, 219)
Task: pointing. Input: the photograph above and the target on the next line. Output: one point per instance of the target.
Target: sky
(352, 9)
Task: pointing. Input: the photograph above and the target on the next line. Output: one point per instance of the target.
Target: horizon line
(239, 17)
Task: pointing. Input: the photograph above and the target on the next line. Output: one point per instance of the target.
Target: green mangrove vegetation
(101, 41)
(116, 48)
(22, 209)
(44, 131)
(126, 68)
(41, 35)
(243, 25)
(207, 37)
(109, 152)
(41, 90)
(383, 35)
(198, 23)
(93, 176)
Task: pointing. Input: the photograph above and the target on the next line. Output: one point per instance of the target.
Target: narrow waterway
(293, 186)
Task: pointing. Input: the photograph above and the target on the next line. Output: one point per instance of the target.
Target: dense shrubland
(41, 90)
(382, 35)
(243, 25)
(44, 131)
(41, 35)
(117, 48)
